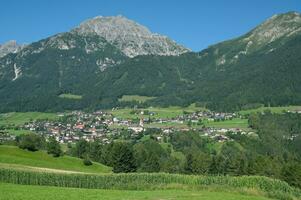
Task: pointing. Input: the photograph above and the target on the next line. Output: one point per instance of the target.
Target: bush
(87, 162)
(53, 147)
(31, 142)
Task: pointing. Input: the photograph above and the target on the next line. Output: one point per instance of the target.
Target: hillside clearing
(272, 109)
(70, 96)
(140, 99)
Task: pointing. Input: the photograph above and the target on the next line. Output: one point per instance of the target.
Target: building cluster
(5, 136)
(75, 125)
(105, 127)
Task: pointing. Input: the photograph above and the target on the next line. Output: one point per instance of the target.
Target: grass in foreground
(40, 159)
(24, 192)
(255, 185)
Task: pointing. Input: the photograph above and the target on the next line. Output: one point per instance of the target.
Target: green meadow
(144, 186)
(13, 157)
(19, 118)
(234, 123)
(140, 99)
(272, 109)
(159, 112)
(31, 175)
(26, 192)
(18, 132)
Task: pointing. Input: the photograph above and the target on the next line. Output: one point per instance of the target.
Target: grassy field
(234, 123)
(171, 112)
(40, 160)
(19, 118)
(272, 109)
(157, 182)
(138, 98)
(164, 113)
(18, 132)
(25, 192)
(70, 96)
(154, 125)
(166, 125)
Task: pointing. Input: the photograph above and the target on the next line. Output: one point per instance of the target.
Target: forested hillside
(261, 67)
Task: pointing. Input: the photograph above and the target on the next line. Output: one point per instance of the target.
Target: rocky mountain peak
(282, 25)
(277, 28)
(10, 47)
(130, 37)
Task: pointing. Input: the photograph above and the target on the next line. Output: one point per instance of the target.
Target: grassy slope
(40, 159)
(20, 118)
(272, 109)
(13, 192)
(169, 112)
(138, 98)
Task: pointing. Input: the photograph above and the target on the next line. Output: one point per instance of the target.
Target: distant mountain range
(107, 57)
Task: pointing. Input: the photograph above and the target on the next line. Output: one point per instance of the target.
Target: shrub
(87, 162)
(53, 147)
(31, 142)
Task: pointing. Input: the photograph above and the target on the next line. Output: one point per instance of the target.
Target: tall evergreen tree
(123, 158)
(81, 149)
(189, 163)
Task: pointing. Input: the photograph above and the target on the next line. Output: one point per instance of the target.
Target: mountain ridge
(227, 76)
(130, 37)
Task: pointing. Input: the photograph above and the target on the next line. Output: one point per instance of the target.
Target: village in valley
(106, 126)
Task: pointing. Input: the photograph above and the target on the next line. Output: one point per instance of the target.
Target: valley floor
(24, 192)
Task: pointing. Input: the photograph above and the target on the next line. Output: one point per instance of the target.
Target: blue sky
(195, 24)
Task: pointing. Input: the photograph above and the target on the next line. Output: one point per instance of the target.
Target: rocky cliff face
(10, 47)
(283, 25)
(130, 37)
(267, 37)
